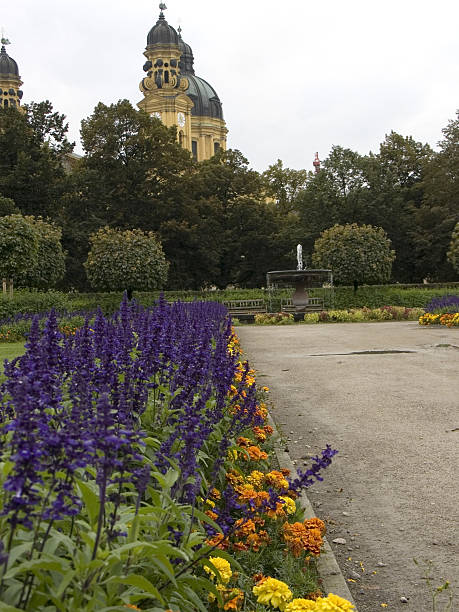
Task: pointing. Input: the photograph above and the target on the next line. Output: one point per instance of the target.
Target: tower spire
(316, 163)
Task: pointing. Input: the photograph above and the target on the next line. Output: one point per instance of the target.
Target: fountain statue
(303, 280)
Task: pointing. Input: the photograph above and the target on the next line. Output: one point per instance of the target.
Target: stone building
(10, 81)
(175, 95)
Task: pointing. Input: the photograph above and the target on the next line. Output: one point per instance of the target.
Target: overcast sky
(294, 77)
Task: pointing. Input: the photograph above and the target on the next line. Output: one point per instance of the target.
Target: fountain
(303, 280)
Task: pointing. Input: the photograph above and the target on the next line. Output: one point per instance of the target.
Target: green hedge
(375, 296)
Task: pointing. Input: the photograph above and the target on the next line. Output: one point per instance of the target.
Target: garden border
(327, 566)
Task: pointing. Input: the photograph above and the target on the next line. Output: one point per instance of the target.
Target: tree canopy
(18, 246)
(355, 254)
(126, 260)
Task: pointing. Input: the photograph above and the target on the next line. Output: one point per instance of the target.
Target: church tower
(175, 95)
(10, 81)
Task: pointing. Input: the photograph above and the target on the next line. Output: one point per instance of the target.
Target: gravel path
(387, 396)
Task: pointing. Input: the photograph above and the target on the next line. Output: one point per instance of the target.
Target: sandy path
(393, 490)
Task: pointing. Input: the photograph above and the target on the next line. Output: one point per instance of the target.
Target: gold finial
(162, 7)
(179, 30)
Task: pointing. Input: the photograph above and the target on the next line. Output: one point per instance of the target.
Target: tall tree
(284, 185)
(439, 211)
(32, 153)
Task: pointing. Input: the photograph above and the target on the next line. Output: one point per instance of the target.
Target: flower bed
(450, 319)
(357, 315)
(135, 473)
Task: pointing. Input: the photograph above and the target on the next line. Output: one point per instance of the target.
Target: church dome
(8, 67)
(162, 33)
(205, 98)
(187, 58)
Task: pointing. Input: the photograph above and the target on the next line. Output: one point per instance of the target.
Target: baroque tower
(10, 81)
(175, 95)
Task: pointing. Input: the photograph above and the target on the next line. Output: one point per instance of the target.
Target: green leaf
(141, 583)
(91, 500)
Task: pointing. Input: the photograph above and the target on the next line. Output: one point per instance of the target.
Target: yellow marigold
(234, 478)
(223, 567)
(289, 504)
(276, 479)
(256, 478)
(332, 603)
(299, 605)
(215, 493)
(244, 442)
(273, 592)
(232, 455)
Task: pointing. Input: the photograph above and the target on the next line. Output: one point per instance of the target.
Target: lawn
(10, 351)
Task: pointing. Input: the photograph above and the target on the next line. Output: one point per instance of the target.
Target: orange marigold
(243, 527)
(255, 540)
(269, 431)
(211, 515)
(259, 434)
(301, 538)
(255, 454)
(258, 578)
(218, 541)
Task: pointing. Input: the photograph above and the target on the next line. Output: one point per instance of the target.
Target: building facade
(175, 95)
(10, 81)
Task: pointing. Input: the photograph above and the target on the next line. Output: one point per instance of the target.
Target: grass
(9, 351)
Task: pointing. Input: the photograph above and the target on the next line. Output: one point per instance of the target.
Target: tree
(284, 185)
(126, 260)
(32, 151)
(355, 254)
(132, 163)
(438, 214)
(50, 266)
(453, 253)
(18, 247)
(8, 207)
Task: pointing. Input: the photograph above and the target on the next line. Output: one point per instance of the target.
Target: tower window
(5, 103)
(166, 76)
(13, 102)
(216, 147)
(194, 149)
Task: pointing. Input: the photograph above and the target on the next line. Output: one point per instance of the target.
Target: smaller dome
(8, 66)
(162, 33)
(186, 58)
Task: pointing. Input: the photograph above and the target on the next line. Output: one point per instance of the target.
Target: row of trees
(219, 221)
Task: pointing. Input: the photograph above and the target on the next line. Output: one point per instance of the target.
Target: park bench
(315, 304)
(245, 307)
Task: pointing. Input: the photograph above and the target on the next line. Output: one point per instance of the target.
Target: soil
(386, 396)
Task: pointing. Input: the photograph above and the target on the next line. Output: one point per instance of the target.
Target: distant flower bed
(449, 319)
(135, 456)
(274, 318)
(445, 304)
(356, 315)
